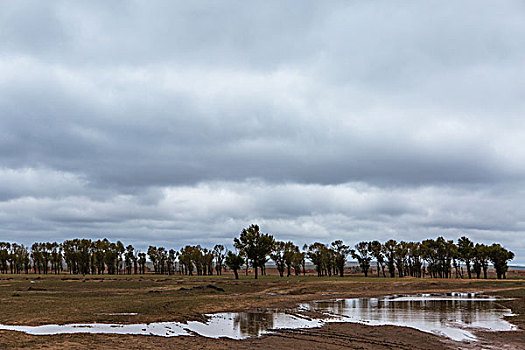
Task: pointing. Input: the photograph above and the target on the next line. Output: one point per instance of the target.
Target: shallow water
(230, 325)
(453, 315)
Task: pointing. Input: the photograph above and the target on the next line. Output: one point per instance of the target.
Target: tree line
(436, 258)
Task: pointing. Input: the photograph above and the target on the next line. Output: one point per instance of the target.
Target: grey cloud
(175, 141)
(174, 121)
(214, 212)
(15, 183)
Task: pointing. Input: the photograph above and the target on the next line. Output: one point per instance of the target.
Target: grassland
(34, 300)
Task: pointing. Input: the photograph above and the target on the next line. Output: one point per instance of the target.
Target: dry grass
(70, 299)
(77, 299)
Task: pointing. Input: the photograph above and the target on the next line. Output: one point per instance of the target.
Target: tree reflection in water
(253, 323)
(448, 314)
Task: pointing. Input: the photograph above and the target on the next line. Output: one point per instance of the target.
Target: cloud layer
(175, 122)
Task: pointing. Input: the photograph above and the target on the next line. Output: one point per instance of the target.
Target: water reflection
(249, 324)
(253, 323)
(449, 314)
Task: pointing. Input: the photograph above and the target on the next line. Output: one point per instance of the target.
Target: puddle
(250, 324)
(230, 325)
(454, 315)
(166, 329)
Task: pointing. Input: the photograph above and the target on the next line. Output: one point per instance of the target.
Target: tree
(376, 248)
(466, 252)
(389, 249)
(414, 259)
(298, 262)
(277, 255)
(362, 254)
(218, 252)
(154, 257)
(197, 258)
(438, 254)
(120, 251)
(456, 261)
(5, 247)
(291, 252)
(341, 252)
(499, 257)
(234, 262)
(482, 256)
(317, 254)
(56, 257)
(207, 258)
(172, 257)
(186, 260)
(429, 253)
(99, 249)
(36, 254)
(400, 256)
(128, 259)
(256, 246)
(136, 263)
(111, 258)
(142, 262)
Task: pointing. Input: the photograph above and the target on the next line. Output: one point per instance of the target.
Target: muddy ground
(330, 336)
(33, 300)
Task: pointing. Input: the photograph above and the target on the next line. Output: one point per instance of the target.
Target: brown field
(81, 299)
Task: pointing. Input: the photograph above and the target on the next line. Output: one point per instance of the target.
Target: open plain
(63, 299)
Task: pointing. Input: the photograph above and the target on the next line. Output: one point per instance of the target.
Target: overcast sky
(181, 122)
